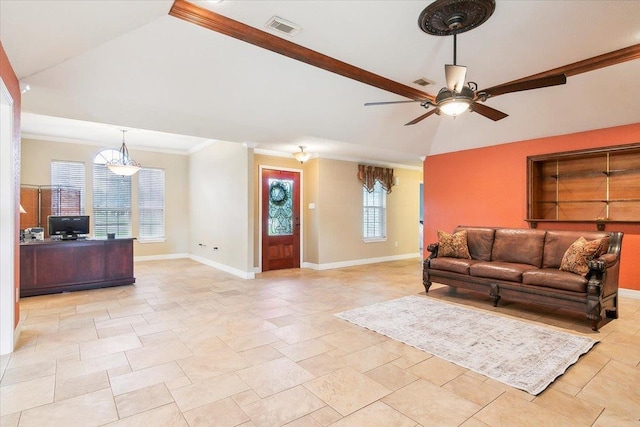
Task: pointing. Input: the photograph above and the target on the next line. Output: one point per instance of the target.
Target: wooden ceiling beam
(215, 22)
(619, 56)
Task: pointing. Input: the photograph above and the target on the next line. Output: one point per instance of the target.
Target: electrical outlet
(396, 244)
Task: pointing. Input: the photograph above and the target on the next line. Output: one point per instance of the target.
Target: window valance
(368, 175)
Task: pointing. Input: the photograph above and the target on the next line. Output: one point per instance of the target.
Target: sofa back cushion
(522, 246)
(556, 244)
(480, 241)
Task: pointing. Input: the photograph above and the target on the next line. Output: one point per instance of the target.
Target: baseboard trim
(252, 274)
(629, 293)
(352, 263)
(223, 267)
(160, 257)
(217, 265)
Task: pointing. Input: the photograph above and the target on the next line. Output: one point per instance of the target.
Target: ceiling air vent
(423, 81)
(284, 26)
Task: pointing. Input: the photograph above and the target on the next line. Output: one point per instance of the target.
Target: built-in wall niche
(595, 186)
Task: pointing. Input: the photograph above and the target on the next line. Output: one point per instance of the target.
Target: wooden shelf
(603, 173)
(600, 224)
(555, 202)
(571, 186)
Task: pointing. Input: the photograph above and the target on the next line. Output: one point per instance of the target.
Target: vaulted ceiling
(95, 67)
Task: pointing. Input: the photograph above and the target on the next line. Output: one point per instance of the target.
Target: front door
(280, 220)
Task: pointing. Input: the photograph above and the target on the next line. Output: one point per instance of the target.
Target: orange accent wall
(11, 81)
(488, 186)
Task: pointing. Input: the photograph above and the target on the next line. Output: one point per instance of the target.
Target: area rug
(520, 354)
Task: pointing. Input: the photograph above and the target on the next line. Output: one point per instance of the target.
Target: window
(151, 204)
(374, 213)
(68, 189)
(111, 198)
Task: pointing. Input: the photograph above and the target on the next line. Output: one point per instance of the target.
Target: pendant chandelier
(124, 165)
(302, 156)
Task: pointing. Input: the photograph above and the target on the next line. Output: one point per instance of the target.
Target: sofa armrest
(433, 248)
(609, 260)
(601, 264)
(603, 275)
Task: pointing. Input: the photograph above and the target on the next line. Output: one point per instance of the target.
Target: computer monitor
(68, 227)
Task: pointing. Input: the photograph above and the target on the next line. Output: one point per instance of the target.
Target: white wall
(7, 222)
(221, 207)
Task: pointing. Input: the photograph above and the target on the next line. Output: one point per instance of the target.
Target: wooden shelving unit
(593, 186)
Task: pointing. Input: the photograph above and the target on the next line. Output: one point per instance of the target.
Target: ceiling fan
(452, 17)
(439, 18)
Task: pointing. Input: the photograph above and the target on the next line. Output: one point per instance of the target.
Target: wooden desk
(58, 266)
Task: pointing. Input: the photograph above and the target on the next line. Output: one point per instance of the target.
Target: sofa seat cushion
(455, 265)
(556, 279)
(508, 271)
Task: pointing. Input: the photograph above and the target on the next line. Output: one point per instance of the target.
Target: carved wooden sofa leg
(425, 280)
(495, 294)
(427, 285)
(612, 313)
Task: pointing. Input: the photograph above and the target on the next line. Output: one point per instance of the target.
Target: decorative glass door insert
(280, 207)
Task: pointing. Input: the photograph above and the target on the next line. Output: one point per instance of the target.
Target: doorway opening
(280, 219)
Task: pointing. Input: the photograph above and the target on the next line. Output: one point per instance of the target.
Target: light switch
(312, 205)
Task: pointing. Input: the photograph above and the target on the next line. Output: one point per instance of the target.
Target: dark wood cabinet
(58, 266)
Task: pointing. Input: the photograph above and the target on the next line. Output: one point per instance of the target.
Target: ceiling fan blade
(619, 56)
(421, 118)
(538, 83)
(213, 21)
(455, 76)
(488, 112)
(390, 102)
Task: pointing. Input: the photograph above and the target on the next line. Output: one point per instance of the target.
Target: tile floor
(193, 346)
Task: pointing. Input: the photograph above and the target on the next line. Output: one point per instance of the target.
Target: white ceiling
(95, 67)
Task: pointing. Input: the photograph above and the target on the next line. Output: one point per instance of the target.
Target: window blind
(68, 187)
(374, 214)
(150, 204)
(111, 202)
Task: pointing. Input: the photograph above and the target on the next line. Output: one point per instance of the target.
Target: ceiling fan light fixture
(453, 103)
(302, 156)
(454, 106)
(124, 165)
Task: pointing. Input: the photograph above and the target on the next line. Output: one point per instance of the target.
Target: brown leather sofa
(523, 265)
